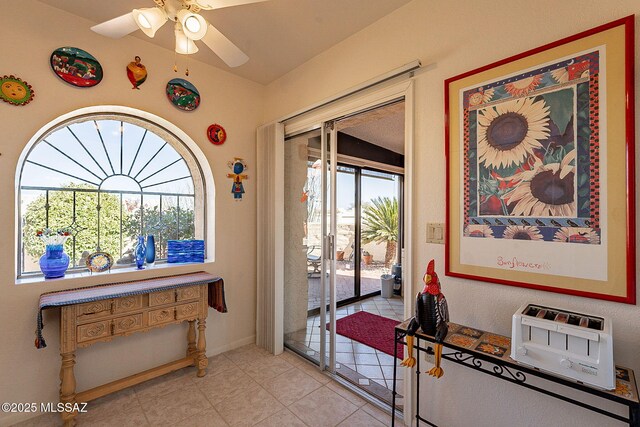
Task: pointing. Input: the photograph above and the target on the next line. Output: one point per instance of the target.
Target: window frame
(196, 162)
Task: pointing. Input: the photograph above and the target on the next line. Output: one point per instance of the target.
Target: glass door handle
(329, 246)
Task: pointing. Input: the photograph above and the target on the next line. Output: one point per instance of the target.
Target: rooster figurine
(432, 316)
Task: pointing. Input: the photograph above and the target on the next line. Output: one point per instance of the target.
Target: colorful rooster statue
(432, 316)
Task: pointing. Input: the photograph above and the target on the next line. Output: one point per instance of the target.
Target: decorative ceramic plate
(216, 134)
(183, 94)
(98, 262)
(15, 91)
(76, 67)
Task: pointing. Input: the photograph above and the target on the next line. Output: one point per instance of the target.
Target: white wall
(455, 37)
(30, 375)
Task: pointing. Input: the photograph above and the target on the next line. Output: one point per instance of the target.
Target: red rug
(370, 329)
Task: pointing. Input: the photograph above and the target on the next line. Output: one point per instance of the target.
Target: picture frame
(540, 168)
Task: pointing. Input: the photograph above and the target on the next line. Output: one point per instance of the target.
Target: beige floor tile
(170, 408)
(313, 372)
(291, 386)
(252, 408)
(44, 420)
(291, 357)
(207, 418)
(111, 403)
(219, 364)
(284, 418)
(351, 397)
(361, 419)
(246, 354)
(132, 416)
(323, 407)
(168, 383)
(231, 383)
(380, 415)
(267, 368)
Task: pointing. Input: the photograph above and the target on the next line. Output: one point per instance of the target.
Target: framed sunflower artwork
(540, 168)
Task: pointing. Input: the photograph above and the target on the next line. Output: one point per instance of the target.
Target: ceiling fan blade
(224, 48)
(117, 27)
(219, 4)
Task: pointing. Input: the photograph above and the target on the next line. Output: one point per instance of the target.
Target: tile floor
(243, 387)
(370, 369)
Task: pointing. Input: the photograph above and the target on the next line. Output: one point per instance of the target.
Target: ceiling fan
(189, 26)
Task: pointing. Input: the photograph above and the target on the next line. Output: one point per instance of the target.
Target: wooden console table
(489, 353)
(97, 314)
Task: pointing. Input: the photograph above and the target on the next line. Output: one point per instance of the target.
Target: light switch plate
(435, 232)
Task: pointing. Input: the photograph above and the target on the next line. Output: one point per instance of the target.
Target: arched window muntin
(153, 163)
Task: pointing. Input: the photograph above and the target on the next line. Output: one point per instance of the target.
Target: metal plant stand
(489, 353)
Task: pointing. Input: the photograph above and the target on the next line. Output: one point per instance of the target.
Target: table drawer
(161, 298)
(163, 315)
(127, 304)
(94, 309)
(190, 292)
(187, 311)
(129, 323)
(92, 331)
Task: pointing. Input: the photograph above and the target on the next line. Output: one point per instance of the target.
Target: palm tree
(380, 225)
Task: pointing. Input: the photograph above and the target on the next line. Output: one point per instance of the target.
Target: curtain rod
(407, 68)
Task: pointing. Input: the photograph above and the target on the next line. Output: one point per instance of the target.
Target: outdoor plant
(380, 225)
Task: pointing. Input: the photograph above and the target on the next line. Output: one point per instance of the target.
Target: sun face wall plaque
(15, 91)
(183, 94)
(76, 67)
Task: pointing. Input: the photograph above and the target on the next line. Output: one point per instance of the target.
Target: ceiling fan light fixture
(194, 26)
(150, 19)
(184, 45)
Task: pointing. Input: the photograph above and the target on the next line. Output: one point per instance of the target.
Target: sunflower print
(577, 235)
(522, 232)
(546, 190)
(509, 132)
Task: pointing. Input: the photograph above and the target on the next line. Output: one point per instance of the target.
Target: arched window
(108, 178)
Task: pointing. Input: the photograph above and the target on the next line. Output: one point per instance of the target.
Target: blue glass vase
(151, 250)
(140, 252)
(54, 262)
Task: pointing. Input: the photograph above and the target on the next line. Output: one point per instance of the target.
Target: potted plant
(367, 257)
(380, 225)
(339, 255)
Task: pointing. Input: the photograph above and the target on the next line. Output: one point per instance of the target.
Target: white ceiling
(277, 35)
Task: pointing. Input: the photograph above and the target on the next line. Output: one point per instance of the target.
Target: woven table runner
(135, 287)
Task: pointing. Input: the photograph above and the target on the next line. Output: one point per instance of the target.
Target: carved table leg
(191, 341)
(68, 387)
(201, 356)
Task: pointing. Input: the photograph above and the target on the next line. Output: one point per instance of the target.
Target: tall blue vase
(140, 252)
(151, 250)
(54, 262)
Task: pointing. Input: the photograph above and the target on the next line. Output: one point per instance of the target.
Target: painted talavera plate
(216, 134)
(76, 67)
(183, 94)
(98, 262)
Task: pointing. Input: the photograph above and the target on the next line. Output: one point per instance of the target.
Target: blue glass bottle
(151, 250)
(54, 262)
(140, 252)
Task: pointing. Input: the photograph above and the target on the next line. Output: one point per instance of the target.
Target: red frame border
(628, 23)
